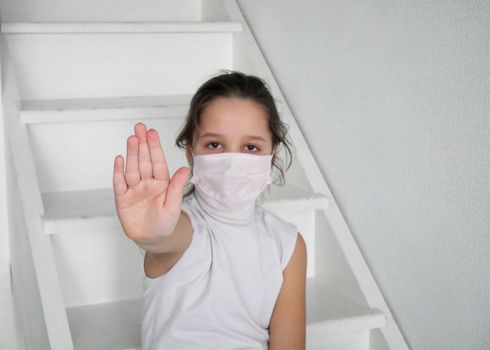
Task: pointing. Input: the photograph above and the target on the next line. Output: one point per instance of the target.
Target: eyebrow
(213, 134)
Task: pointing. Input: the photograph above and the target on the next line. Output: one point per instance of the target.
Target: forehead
(234, 116)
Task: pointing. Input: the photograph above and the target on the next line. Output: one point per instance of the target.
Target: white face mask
(231, 177)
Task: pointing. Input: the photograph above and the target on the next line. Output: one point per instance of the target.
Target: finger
(159, 164)
(118, 180)
(132, 174)
(144, 162)
(175, 190)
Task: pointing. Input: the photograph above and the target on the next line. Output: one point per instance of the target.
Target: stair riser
(88, 115)
(130, 64)
(106, 259)
(80, 155)
(74, 11)
(305, 221)
(86, 257)
(77, 156)
(318, 339)
(332, 264)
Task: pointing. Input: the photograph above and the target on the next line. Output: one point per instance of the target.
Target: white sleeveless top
(221, 292)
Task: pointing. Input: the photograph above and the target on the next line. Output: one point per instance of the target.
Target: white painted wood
(347, 340)
(105, 103)
(329, 311)
(27, 302)
(44, 267)
(127, 107)
(332, 265)
(80, 155)
(101, 109)
(72, 66)
(213, 10)
(106, 259)
(377, 341)
(119, 27)
(7, 330)
(114, 325)
(100, 11)
(307, 203)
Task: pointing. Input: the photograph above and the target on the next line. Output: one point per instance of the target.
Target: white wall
(393, 98)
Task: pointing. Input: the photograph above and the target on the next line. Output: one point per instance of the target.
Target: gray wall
(393, 98)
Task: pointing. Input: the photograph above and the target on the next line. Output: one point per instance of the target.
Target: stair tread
(117, 324)
(104, 108)
(112, 325)
(331, 311)
(104, 103)
(121, 27)
(64, 211)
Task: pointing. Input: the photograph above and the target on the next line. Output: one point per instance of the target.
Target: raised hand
(148, 201)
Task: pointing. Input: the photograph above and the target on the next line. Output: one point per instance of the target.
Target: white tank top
(221, 292)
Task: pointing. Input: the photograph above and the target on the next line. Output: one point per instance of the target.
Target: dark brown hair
(237, 84)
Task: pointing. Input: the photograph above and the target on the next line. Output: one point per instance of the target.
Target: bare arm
(287, 329)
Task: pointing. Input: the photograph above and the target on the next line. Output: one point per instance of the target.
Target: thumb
(175, 190)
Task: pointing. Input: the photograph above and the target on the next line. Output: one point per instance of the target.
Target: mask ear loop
(191, 174)
(275, 149)
(192, 160)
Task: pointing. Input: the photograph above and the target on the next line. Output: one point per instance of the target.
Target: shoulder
(283, 232)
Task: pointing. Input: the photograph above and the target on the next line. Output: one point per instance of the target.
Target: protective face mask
(231, 177)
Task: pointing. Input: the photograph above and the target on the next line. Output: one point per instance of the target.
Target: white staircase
(71, 94)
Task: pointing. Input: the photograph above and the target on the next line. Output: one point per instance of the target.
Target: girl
(220, 271)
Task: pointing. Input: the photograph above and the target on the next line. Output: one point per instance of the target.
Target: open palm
(148, 201)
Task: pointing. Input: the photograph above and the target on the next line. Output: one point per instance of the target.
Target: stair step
(108, 11)
(117, 325)
(329, 312)
(302, 201)
(112, 325)
(119, 27)
(93, 210)
(104, 108)
(140, 61)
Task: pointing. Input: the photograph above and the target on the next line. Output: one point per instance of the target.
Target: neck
(241, 213)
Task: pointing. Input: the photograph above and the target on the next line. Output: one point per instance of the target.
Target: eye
(213, 145)
(248, 147)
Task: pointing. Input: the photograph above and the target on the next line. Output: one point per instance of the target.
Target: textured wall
(402, 89)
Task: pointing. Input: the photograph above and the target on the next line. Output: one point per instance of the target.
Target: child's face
(233, 124)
